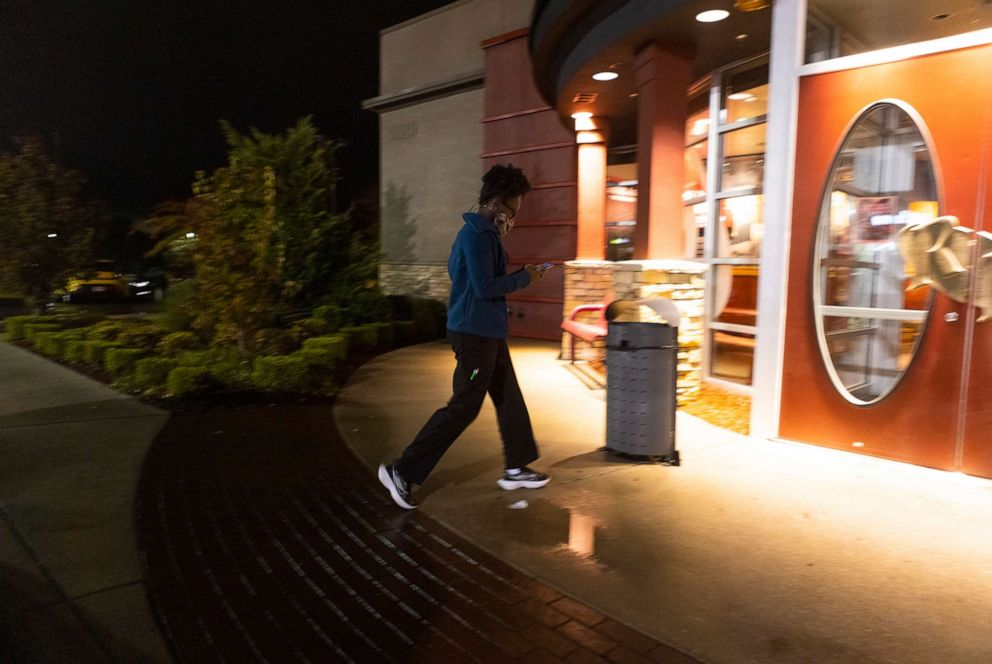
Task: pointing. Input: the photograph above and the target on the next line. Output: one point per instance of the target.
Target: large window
(724, 209)
(844, 27)
(881, 183)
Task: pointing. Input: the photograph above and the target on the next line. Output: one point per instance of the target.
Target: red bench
(586, 331)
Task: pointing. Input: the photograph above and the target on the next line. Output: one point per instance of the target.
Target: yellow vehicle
(100, 282)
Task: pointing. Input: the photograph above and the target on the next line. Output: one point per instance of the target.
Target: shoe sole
(387, 482)
(510, 485)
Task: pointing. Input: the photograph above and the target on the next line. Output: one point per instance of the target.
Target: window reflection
(743, 158)
(741, 226)
(882, 180)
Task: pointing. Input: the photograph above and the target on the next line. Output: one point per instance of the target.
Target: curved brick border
(264, 540)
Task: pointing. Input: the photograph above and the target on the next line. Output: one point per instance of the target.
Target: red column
(664, 73)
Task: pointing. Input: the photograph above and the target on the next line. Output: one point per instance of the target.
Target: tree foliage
(47, 227)
(267, 237)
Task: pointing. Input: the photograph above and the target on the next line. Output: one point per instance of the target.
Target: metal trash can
(641, 373)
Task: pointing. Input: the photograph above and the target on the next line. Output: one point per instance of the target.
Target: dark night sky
(131, 91)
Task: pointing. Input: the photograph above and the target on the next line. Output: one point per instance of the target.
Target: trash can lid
(662, 306)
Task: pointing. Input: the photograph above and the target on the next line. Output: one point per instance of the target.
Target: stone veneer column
(421, 279)
(597, 282)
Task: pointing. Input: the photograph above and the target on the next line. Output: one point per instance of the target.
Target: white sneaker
(525, 479)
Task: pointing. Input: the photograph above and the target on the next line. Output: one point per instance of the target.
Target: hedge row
(143, 357)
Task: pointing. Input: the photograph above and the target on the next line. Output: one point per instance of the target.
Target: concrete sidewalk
(71, 450)
(751, 551)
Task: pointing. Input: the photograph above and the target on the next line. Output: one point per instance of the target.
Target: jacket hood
(479, 223)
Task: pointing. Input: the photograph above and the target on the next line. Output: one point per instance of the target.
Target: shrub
(430, 318)
(308, 328)
(177, 306)
(226, 364)
(141, 335)
(150, 372)
(404, 333)
(184, 381)
(231, 370)
(361, 338)
(367, 306)
(274, 341)
(324, 351)
(121, 360)
(384, 335)
(94, 350)
(174, 342)
(330, 314)
(72, 351)
(285, 373)
(14, 325)
(48, 343)
(105, 330)
(33, 329)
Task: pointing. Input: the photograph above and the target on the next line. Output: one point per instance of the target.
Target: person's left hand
(536, 273)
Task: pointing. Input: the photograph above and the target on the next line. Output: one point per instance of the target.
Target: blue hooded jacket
(479, 282)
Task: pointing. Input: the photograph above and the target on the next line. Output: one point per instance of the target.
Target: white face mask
(503, 223)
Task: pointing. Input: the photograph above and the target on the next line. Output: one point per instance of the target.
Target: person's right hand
(536, 274)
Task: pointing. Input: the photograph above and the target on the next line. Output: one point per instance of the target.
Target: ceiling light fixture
(581, 114)
(606, 75)
(712, 15)
(751, 5)
(740, 96)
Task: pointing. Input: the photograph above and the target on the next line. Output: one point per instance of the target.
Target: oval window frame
(816, 281)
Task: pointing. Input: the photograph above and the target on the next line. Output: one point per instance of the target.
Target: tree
(265, 235)
(47, 227)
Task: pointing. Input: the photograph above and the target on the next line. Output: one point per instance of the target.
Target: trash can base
(661, 460)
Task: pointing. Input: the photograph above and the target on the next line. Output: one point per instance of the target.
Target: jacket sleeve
(481, 266)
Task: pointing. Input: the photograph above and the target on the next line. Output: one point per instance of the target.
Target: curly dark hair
(503, 182)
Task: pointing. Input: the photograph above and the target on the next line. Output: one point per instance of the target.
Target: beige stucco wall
(430, 170)
(430, 150)
(444, 44)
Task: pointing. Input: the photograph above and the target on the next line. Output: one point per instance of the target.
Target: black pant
(483, 366)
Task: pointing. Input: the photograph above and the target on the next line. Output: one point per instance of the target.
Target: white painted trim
(876, 313)
(897, 53)
(788, 48)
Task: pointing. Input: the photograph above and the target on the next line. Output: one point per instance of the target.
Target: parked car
(150, 284)
(100, 282)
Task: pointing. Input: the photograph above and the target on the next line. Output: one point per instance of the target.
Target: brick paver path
(264, 540)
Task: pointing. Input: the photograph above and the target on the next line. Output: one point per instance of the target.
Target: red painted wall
(918, 422)
(520, 128)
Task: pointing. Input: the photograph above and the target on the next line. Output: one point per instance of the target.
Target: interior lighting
(712, 15)
(581, 114)
(741, 96)
(857, 444)
(741, 37)
(53, 235)
(606, 75)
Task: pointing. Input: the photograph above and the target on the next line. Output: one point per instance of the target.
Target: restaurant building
(806, 179)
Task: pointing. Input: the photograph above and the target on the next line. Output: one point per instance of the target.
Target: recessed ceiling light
(740, 96)
(605, 75)
(581, 114)
(712, 15)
